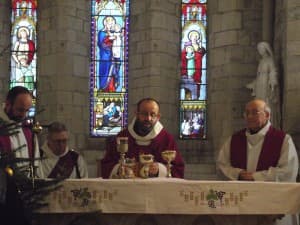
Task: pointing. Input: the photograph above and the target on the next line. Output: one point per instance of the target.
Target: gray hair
(56, 127)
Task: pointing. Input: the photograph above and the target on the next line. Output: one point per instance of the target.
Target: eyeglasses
(145, 114)
(252, 113)
(59, 141)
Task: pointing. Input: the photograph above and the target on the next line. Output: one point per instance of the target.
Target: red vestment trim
(65, 165)
(5, 144)
(269, 154)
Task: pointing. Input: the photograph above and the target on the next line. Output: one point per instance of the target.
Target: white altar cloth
(174, 196)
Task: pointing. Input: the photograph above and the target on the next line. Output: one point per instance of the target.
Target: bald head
(258, 103)
(257, 114)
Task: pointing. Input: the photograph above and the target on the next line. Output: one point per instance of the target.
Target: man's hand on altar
(153, 169)
(244, 175)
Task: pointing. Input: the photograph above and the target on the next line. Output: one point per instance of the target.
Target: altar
(169, 201)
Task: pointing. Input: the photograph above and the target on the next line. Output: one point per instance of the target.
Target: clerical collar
(262, 131)
(49, 152)
(145, 140)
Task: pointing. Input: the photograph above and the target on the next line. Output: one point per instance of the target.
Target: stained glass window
(109, 66)
(193, 69)
(23, 46)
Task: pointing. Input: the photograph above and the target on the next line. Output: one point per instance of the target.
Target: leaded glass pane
(23, 46)
(193, 69)
(109, 65)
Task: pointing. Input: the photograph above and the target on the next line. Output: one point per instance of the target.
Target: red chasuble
(163, 141)
(269, 154)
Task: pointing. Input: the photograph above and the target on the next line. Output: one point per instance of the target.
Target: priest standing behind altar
(17, 104)
(259, 152)
(146, 135)
(58, 159)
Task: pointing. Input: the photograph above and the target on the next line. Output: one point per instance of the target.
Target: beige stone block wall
(291, 73)
(235, 27)
(235, 30)
(64, 37)
(4, 48)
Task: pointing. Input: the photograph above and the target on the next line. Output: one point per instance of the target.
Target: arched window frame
(23, 70)
(109, 67)
(193, 85)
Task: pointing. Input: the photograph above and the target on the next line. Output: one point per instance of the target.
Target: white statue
(266, 86)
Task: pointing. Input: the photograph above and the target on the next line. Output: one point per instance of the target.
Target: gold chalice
(130, 167)
(145, 160)
(37, 128)
(122, 148)
(169, 156)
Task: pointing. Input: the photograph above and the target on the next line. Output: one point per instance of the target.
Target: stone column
(268, 20)
(154, 56)
(4, 48)
(235, 29)
(291, 57)
(63, 65)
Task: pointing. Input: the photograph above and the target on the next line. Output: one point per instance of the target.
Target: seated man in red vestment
(146, 135)
(260, 152)
(58, 160)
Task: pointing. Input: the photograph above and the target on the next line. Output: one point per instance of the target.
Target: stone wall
(4, 48)
(290, 61)
(154, 56)
(286, 41)
(63, 66)
(235, 27)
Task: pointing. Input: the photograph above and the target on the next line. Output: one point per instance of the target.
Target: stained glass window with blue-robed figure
(109, 67)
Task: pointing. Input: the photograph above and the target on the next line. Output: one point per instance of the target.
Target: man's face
(18, 110)
(255, 115)
(58, 141)
(147, 115)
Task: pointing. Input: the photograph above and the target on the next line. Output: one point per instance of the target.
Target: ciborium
(145, 160)
(122, 148)
(169, 156)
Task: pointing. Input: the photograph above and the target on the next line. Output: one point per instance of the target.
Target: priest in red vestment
(260, 152)
(146, 135)
(17, 104)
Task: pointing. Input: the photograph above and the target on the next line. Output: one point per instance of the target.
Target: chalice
(169, 156)
(37, 128)
(130, 167)
(145, 160)
(122, 148)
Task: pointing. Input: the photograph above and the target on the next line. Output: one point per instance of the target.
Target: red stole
(28, 136)
(5, 144)
(269, 154)
(65, 165)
